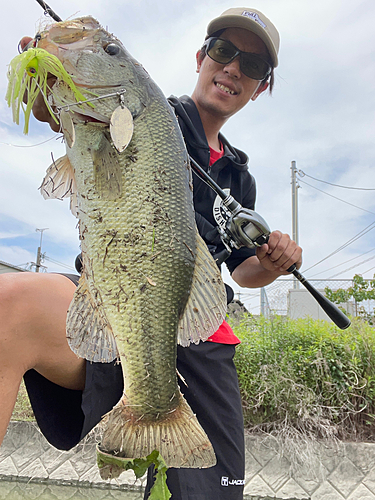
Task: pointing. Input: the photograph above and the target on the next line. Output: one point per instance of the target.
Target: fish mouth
(89, 117)
(80, 112)
(110, 86)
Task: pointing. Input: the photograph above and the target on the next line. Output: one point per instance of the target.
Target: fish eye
(112, 49)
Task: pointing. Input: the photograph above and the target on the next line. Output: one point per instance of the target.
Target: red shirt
(224, 335)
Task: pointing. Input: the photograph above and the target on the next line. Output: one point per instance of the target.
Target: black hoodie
(230, 172)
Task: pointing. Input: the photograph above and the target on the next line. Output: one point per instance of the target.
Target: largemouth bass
(148, 280)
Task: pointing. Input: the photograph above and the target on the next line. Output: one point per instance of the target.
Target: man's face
(222, 89)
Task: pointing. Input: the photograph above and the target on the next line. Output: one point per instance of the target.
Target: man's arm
(271, 261)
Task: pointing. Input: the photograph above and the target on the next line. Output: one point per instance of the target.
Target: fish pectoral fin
(88, 332)
(60, 183)
(207, 304)
(107, 170)
(67, 126)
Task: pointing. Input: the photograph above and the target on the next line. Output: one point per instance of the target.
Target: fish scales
(148, 280)
(150, 244)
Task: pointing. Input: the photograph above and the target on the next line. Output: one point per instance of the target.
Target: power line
(349, 242)
(336, 198)
(354, 238)
(368, 270)
(59, 263)
(302, 173)
(342, 263)
(352, 267)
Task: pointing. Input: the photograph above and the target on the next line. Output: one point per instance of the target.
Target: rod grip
(332, 311)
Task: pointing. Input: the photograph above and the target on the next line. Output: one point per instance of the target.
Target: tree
(360, 290)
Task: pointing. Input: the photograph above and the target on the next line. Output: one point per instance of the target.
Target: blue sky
(321, 115)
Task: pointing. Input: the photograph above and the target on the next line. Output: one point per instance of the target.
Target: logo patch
(254, 16)
(233, 482)
(221, 213)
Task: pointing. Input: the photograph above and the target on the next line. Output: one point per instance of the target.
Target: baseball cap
(252, 20)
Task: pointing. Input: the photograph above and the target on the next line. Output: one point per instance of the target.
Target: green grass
(300, 374)
(22, 409)
(307, 374)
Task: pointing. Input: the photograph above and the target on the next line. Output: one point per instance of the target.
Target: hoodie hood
(195, 137)
(230, 172)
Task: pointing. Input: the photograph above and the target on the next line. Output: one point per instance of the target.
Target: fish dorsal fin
(60, 183)
(107, 171)
(88, 332)
(207, 304)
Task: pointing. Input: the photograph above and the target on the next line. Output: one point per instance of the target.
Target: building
(9, 268)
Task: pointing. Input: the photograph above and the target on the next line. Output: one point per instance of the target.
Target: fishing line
(29, 145)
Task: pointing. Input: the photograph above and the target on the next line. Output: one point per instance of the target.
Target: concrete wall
(302, 304)
(331, 471)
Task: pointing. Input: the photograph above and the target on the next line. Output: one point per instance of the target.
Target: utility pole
(263, 302)
(39, 251)
(295, 235)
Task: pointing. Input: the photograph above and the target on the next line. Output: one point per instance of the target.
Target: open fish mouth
(89, 117)
(81, 112)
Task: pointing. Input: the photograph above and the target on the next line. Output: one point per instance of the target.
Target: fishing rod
(49, 11)
(246, 228)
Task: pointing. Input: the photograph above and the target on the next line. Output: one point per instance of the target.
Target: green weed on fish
(111, 466)
(28, 73)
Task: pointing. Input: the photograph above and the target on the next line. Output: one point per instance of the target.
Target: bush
(307, 375)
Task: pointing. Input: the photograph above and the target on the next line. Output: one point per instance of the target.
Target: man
(69, 396)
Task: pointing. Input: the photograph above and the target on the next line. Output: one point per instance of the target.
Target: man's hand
(40, 110)
(271, 261)
(279, 253)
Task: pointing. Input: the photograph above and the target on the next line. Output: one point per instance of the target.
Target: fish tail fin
(177, 436)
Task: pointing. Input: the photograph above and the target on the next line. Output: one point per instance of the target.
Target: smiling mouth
(225, 89)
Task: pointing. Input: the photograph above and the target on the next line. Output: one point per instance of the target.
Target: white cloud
(16, 256)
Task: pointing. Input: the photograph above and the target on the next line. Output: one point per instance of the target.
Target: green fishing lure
(28, 73)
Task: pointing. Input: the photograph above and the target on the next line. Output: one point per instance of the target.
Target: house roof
(11, 266)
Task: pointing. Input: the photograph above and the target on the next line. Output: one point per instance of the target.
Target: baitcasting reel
(243, 227)
(246, 228)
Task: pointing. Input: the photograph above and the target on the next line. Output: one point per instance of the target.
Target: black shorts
(66, 416)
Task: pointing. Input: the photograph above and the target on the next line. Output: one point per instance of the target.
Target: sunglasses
(224, 52)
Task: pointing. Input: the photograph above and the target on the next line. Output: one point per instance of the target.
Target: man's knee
(30, 294)
(33, 307)
(11, 291)
(33, 326)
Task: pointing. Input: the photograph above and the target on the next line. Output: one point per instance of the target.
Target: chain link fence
(288, 297)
